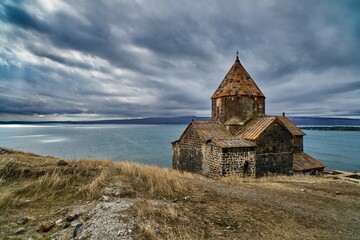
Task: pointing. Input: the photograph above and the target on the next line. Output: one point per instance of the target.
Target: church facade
(240, 139)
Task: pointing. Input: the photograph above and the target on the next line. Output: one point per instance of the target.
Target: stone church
(241, 139)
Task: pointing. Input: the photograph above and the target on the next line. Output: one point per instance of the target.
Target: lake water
(151, 144)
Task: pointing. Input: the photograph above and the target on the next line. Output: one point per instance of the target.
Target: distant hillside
(158, 120)
(187, 119)
(150, 120)
(325, 121)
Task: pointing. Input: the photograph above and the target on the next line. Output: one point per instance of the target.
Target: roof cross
(237, 54)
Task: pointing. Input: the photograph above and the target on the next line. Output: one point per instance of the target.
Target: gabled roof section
(217, 133)
(254, 129)
(237, 82)
(304, 162)
(210, 130)
(295, 130)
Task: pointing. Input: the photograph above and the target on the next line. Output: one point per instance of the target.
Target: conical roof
(237, 82)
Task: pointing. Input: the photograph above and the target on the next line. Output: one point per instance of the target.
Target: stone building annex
(241, 139)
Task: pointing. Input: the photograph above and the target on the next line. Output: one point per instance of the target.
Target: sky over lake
(76, 60)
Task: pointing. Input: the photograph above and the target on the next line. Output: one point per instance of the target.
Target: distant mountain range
(187, 119)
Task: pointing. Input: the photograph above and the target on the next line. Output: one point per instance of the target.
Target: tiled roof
(237, 82)
(216, 132)
(302, 162)
(210, 130)
(295, 130)
(255, 128)
(234, 142)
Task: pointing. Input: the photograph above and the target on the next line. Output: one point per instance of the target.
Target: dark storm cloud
(158, 58)
(59, 59)
(23, 19)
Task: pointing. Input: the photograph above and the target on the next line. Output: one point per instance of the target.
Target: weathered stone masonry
(187, 152)
(274, 151)
(239, 162)
(241, 107)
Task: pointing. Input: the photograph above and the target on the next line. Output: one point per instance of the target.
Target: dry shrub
(157, 182)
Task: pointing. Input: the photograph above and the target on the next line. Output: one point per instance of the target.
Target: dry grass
(31, 178)
(156, 182)
(159, 220)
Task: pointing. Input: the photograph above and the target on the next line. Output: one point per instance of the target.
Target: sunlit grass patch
(156, 182)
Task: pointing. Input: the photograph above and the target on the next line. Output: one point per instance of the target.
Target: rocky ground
(133, 201)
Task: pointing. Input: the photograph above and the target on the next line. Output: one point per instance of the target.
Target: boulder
(47, 226)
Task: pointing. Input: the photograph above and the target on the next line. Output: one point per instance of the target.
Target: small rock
(59, 222)
(75, 223)
(64, 211)
(72, 217)
(302, 190)
(337, 192)
(104, 198)
(22, 220)
(20, 230)
(65, 225)
(77, 230)
(108, 191)
(45, 227)
(31, 238)
(27, 201)
(61, 163)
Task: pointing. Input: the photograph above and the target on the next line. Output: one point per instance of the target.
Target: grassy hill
(45, 197)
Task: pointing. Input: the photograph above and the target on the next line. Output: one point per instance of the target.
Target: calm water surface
(151, 144)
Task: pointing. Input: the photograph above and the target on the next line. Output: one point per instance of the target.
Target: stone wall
(220, 162)
(187, 152)
(239, 162)
(212, 164)
(274, 151)
(242, 107)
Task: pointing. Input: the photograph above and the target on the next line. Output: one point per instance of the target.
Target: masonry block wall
(274, 152)
(239, 162)
(187, 152)
(212, 164)
(242, 107)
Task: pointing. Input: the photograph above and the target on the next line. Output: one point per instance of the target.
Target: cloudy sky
(63, 60)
